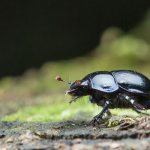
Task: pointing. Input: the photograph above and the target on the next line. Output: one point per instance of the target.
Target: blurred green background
(37, 96)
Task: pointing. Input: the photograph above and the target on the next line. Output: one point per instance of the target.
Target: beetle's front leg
(96, 120)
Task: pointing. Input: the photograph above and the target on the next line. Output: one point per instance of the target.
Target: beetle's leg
(137, 107)
(92, 100)
(109, 113)
(96, 120)
(134, 103)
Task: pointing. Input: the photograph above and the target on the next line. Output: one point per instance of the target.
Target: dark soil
(127, 134)
(117, 133)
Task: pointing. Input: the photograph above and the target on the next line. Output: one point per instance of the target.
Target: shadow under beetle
(112, 89)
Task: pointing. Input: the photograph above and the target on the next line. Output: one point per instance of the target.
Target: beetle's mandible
(112, 89)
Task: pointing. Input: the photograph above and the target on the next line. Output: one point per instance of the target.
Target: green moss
(55, 111)
(60, 111)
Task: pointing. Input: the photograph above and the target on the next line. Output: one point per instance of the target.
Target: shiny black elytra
(113, 89)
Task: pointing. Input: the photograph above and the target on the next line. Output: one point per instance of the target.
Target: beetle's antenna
(58, 78)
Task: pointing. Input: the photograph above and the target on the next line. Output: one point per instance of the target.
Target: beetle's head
(77, 89)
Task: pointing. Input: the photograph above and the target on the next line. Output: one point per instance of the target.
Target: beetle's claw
(73, 99)
(139, 106)
(95, 121)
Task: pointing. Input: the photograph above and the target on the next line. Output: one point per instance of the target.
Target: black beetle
(113, 89)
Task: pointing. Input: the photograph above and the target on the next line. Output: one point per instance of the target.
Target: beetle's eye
(78, 82)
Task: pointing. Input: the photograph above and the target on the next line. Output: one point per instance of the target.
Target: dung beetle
(112, 89)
